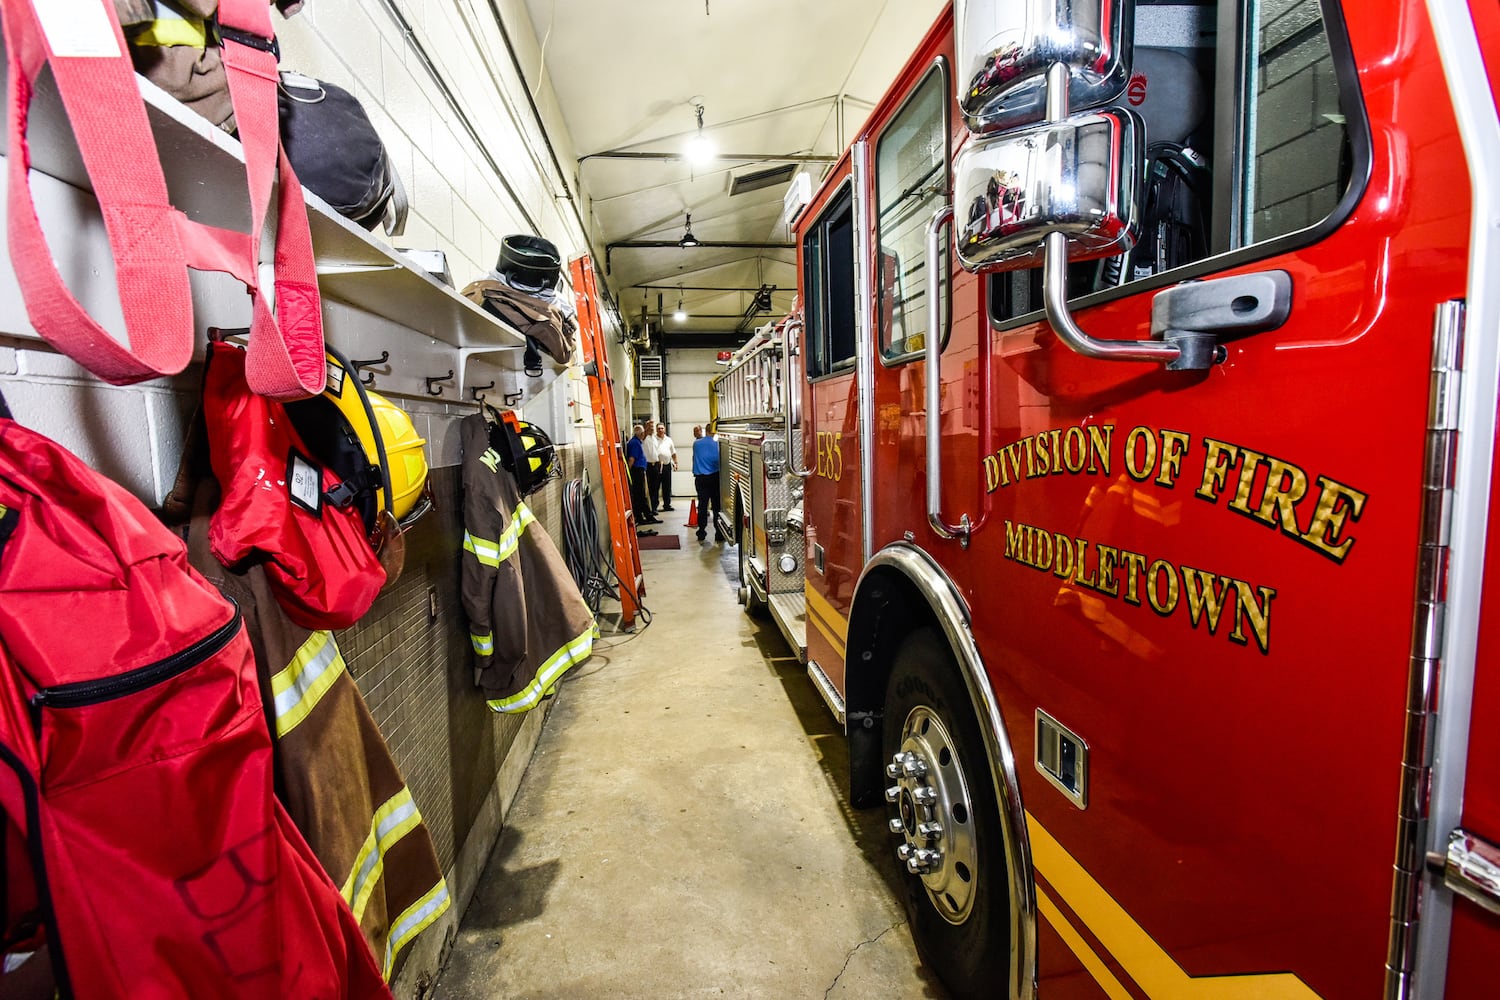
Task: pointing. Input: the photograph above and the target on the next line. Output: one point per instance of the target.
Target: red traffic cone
(692, 521)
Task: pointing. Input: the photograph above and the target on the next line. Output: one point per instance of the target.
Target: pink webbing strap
(109, 120)
(152, 242)
(285, 358)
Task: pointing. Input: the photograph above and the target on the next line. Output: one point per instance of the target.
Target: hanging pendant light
(688, 240)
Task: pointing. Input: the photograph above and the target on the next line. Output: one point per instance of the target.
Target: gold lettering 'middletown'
(1208, 599)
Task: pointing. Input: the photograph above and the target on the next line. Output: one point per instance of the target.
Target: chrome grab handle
(794, 385)
(934, 352)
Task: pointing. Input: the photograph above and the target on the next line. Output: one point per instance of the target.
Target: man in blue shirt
(635, 461)
(706, 479)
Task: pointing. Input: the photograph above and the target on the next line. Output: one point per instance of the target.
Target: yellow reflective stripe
(548, 674)
(392, 821)
(169, 28)
(298, 687)
(1144, 961)
(414, 920)
(494, 553)
(511, 540)
(486, 551)
(484, 645)
(1112, 987)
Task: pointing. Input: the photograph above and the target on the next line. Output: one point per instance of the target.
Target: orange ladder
(607, 434)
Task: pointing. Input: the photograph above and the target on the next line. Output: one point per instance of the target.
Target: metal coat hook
(479, 390)
(357, 366)
(438, 378)
(512, 398)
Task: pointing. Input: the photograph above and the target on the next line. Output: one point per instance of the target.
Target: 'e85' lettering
(830, 457)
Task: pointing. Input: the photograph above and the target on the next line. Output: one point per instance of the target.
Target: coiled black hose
(584, 553)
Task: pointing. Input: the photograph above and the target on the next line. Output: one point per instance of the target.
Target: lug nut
(933, 830)
(896, 826)
(913, 766)
(925, 795)
(893, 770)
(903, 852)
(893, 793)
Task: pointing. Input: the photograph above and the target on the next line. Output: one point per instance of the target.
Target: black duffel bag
(337, 153)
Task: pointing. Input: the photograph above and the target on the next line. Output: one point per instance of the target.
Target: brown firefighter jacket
(334, 772)
(527, 621)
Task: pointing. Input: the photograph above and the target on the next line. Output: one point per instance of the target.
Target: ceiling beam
(610, 248)
(622, 154)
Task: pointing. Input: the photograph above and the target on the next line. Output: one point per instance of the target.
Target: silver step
(790, 612)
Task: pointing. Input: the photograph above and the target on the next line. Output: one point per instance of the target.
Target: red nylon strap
(285, 358)
(114, 137)
(152, 242)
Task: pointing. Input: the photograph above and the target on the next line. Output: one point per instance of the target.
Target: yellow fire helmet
(390, 455)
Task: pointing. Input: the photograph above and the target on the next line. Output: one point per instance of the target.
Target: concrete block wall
(420, 68)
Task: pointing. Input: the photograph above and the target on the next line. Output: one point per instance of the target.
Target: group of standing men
(651, 456)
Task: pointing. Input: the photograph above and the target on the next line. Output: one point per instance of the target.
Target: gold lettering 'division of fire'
(1317, 512)
(1135, 578)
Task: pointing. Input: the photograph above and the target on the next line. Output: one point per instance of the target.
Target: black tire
(971, 956)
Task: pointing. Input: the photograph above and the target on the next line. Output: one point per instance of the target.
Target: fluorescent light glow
(680, 315)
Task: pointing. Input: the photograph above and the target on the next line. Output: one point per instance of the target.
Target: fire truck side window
(828, 266)
(911, 167)
(1230, 163)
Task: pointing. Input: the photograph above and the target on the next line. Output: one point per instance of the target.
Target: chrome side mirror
(1006, 47)
(1077, 177)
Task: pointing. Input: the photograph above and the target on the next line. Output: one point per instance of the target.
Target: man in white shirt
(653, 464)
(666, 456)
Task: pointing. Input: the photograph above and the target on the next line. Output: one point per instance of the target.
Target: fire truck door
(1206, 580)
(833, 503)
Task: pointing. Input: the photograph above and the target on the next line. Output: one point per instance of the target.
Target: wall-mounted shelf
(203, 168)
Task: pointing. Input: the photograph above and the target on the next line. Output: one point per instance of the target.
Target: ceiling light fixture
(680, 315)
(700, 149)
(688, 240)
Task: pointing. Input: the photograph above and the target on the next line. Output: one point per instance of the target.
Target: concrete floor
(683, 829)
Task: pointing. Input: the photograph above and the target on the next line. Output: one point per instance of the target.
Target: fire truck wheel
(945, 821)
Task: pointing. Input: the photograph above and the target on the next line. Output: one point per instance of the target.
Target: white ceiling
(775, 77)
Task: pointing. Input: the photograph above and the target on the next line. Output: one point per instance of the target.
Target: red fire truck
(1151, 356)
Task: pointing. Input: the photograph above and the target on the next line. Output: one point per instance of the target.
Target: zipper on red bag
(81, 693)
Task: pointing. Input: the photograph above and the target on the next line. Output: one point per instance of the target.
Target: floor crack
(850, 957)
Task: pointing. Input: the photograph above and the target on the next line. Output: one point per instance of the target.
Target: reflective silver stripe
(556, 665)
(484, 645)
(412, 922)
(298, 686)
(486, 551)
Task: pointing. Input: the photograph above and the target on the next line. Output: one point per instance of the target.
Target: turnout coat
(334, 772)
(527, 621)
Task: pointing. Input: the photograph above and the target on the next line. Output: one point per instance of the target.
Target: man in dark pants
(635, 461)
(706, 479)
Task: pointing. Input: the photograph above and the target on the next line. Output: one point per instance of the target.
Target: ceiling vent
(650, 371)
(757, 179)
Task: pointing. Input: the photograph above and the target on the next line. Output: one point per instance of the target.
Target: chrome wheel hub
(934, 818)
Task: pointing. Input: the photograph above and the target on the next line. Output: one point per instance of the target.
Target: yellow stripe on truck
(1145, 961)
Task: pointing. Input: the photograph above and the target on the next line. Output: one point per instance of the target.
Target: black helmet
(526, 452)
(529, 261)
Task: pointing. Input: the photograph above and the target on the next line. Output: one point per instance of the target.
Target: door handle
(1195, 315)
(934, 353)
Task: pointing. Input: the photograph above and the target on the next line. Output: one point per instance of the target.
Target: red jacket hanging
(137, 762)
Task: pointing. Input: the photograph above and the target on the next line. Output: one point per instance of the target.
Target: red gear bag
(319, 562)
(135, 761)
